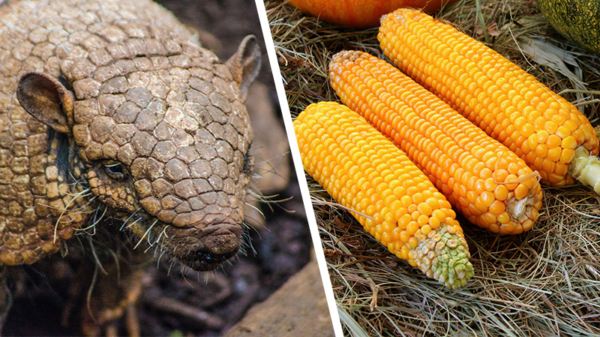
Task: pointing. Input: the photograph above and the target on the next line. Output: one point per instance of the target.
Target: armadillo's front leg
(5, 297)
(114, 297)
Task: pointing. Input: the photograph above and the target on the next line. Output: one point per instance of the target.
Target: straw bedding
(545, 282)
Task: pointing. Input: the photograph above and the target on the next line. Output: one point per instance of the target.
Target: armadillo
(111, 106)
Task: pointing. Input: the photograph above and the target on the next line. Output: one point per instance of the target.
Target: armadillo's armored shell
(147, 97)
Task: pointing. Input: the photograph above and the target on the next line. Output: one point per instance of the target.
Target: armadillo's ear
(245, 64)
(46, 99)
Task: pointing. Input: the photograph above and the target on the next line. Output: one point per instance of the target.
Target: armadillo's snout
(215, 248)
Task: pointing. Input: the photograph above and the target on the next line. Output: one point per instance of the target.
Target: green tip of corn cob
(444, 256)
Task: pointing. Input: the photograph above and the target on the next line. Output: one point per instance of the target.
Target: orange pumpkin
(362, 13)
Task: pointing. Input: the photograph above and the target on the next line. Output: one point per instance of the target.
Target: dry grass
(542, 283)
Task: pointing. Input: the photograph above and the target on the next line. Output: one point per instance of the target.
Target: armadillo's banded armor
(158, 128)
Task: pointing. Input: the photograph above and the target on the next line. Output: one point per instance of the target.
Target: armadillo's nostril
(214, 258)
(208, 261)
(216, 244)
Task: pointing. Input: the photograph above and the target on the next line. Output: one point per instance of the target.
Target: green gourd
(577, 20)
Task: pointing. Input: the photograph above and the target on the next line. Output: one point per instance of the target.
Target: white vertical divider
(287, 118)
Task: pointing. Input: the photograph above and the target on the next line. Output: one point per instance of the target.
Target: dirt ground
(176, 302)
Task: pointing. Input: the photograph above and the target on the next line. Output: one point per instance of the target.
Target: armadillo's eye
(115, 171)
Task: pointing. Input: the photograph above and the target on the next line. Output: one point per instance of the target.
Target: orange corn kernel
(429, 238)
(446, 146)
(492, 92)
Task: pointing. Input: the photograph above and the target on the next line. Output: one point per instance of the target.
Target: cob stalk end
(586, 168)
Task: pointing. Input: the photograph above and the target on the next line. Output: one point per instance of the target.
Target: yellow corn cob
(365, 172)
(483, 179)
(510, 105)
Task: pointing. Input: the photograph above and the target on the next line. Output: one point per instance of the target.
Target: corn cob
(483, 179)
(365, 172)
(511, 106)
